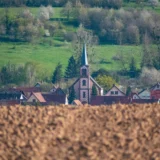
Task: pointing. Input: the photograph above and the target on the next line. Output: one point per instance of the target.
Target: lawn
(34, 10)
(46, 57)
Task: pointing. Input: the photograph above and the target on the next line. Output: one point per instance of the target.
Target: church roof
(84, 59)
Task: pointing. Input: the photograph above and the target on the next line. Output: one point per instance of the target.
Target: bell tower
(84, 85)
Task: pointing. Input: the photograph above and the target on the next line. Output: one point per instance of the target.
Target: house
(155, 91)
(57, 91)
(144, 94)
(47, 98)
(134, 96)
(36, 97)
(83, 85)
(26, 91)
(10, 97)
(115, 91)
(55, 99)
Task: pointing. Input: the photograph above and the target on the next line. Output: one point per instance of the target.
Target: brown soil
(117, 132)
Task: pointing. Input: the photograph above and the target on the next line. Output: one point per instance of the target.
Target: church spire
(84, 59)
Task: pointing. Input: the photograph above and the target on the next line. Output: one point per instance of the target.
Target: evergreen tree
(72, 95)
(57, 74)
(94, 90)
(132, 68)
(71, 71)
(128, 91)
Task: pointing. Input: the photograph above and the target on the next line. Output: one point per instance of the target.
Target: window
(34, 100)
(84, 94)
(84, 83)
(84, 72)
(116, 92)
(112, 92)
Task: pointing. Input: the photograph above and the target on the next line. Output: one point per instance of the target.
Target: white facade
(114, 91)
(145, 94)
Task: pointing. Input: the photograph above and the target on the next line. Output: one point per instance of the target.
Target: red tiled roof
(39, 97)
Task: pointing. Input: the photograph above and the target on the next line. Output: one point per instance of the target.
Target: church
(83, 85)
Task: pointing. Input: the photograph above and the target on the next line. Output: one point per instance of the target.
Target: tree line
(60, 3)
(24, 26)
(117, 26)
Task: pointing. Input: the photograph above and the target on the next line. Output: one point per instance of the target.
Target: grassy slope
(46, 57)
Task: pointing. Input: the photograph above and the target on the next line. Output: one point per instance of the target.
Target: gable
(114, 91)
(144, 93)
(32, 98)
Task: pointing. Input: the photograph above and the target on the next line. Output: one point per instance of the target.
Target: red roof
(39, 97)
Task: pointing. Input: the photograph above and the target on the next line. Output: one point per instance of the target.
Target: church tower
(84, 87)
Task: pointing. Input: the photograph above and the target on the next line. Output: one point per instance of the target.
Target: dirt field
(118, 132)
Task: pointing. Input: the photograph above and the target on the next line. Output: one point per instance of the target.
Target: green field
(34, 10)
(46, 57)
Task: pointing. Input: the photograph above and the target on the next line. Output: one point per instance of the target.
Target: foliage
(106, 82)
(72, 95)
(100, 72)
(57, 74)
(149, 76)
(17, 74)
(71, 71)
(94, 90)
(128, 91)
(132, 68)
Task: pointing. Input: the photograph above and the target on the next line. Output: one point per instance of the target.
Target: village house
(47, 98)
(83, 85)
(145, 94)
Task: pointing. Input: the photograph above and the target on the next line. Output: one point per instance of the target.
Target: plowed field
(117, 132)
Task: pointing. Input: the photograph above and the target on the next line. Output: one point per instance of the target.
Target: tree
(149, 76)
(57, 74)
(132, 68)
(87, 37)
(105, 81)
(128, 91)
(67, 10)
(71, 71)
(153, 3)
(45, 13)
(147, 57)
(94, 90)
(72, 95)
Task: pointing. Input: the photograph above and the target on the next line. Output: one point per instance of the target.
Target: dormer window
(84, 83)
(84, 72)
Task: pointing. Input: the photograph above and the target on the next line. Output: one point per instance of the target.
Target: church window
(84, 94)
(84, 72)
(84, 83)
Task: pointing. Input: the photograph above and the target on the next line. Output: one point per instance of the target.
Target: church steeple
(84, 59)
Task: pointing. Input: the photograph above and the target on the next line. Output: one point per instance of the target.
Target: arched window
(84, 83)
(84, 72)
